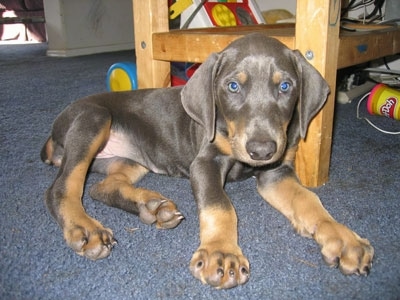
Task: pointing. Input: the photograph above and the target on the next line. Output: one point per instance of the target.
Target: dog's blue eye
(284, 86)
(233, 87)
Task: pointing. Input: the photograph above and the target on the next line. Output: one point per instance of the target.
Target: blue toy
(122, 77)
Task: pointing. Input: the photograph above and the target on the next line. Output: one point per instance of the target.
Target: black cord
(378, 7)
(346, 9)
(386, 64)
(353, 5)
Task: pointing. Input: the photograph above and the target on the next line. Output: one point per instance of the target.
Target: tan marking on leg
(75, 181)
(117, 190)
(84, 234)
(301, 206)
(340, 246)
(218, 225)
(121, 178)
(133, 173)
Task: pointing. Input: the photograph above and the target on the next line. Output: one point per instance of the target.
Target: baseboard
(89, 50)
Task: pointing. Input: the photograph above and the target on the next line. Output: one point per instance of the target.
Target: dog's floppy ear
(313, 91)
(198, 95)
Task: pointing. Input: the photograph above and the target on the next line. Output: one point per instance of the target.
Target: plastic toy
(122, 76)
(223, 13)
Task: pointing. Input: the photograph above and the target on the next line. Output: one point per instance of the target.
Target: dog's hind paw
(163, 212)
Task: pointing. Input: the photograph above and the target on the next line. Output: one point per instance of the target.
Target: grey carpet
(35, 263)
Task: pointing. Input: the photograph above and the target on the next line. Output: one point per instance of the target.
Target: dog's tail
(52, 153)
(47, 152)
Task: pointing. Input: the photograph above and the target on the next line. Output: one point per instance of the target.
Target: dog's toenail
(220, 272)
(231, 273)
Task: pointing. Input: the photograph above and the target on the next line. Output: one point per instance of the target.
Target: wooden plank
(360, 47)
(195, 45)
(317, 30)
(150, 17)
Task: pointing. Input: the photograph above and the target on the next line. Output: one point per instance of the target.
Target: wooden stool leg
(319, 19)
(150, 16)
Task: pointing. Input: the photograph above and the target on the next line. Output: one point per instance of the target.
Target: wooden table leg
(317, 37)
(150, 16)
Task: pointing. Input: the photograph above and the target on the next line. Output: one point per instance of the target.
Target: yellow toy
(122, 77)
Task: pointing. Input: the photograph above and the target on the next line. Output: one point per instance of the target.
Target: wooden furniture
(316, 35)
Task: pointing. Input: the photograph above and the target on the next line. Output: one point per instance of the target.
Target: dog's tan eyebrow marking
(277, 77)
(242, 77)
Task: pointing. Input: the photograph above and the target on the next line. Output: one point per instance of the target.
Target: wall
(289, 5)
(79, 27)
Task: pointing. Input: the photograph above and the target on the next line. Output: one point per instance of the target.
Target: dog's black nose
(261, 150)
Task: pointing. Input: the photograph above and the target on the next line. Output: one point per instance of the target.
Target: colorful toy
(181, 72)
(122, 77)
(384, 101)
(223, 13)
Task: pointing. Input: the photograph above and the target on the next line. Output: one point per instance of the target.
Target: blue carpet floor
(35, 263)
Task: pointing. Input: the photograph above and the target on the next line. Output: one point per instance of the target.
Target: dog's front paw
(90, 239)
(344, 249)
(163, 212)
(220, 269)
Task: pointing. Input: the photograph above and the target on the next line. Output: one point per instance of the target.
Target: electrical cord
(368, 121)
(367, 18)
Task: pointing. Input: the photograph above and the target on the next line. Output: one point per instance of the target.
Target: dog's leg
(81, 141)
(117, 190)
(340, 246)
(218, 261)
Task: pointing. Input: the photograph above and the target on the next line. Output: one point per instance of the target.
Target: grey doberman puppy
(241, 114)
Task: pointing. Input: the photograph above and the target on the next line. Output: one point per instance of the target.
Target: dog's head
(251, 93)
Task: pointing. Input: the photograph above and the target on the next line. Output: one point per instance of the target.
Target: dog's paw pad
(163, 212)
(95, 243)
(220, 270)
